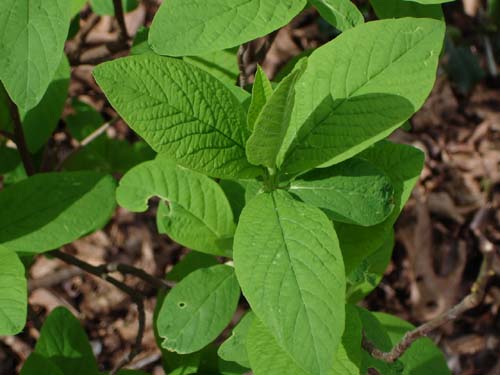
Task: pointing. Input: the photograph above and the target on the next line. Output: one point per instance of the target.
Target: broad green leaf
(198, 214)
(403, 165)
(64, 342)
(234, 349)
(32, 36)
(140, 43)
(46, 211)
(10, 159)
(181, 111)
(342, 14)
(39, 365)
(223, 64)
(402, 8)
(106, 8)
(290, 268)
(195, 27)
(266, 356)
(239, 193)
(261, 92)
(191, 262)
(42, 120)
(347, 359)
(196, 311)
(77, 5)
(13, 293)
(385, 331)
(367, 275)
(272, 123)
(353, 191)
(231, 368)
(383, 72)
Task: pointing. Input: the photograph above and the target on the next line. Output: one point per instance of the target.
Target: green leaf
(401, 8)
(196, 311)
(464, 68)
(84, 121)
(199, 26)
(353, 191)
(77, 5)
(41, 121)
(403, 165)
(422, 358)
(266, 356)
(271, 126)
(106, 8)
(10, 159)
(239, 193)
(428, 2)
(191, 262)
(342, 14)
(223, 65)
(49, 210)
(64, 342)
(367, 275)
(140, 43)
(39, 365)
(32, 36)
(290, 268)
(234, 349)
(261, 92)
(383, 72)
(13, 293)
(348, 357)
(198, 214)
(181, 111)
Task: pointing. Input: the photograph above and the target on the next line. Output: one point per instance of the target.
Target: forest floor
(435, 260)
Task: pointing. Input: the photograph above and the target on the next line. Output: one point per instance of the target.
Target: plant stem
(19, 138)
(120, 18)
(473, 299)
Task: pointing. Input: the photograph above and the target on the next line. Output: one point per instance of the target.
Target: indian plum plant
(287, 192)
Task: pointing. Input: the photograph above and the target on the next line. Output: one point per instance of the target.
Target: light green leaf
(191, 262)
(367, 275)
(198, 214)
(39, 365)
(32, 36)
(261, 92)
(234, 349)
(195, 27)
(348, 357)
(196, 311)
(403, 165)
(49, 210)
(181, 111)
(342, 14)
(383, 72)
(385, 331)
(64, 342)
(353, 191)
(402, 8)
(223, 65)
(13, 293)
(271, 126)
(290, 268)
(239, 193)
(77, 5)
(106, 8)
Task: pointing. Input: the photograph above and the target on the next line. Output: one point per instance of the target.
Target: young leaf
(181, 111)
(196, 311)
(290, 268)
(353, 191)
(198, 214)
(49, 210)
(64, 342)
(403, 165)
(261, 92)
(37, 364)
(271, 126)
(342, 14)
(13, 293)
(32, 36)
(234, 349)
(195, 27)
(383, 72)
(385, 331)
(401, 8)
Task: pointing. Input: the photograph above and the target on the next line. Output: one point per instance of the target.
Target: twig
(126, 269)
(473, 299)
(20, 139)
(242, 51)
(120, 18)
(136, 297)
(7, 135)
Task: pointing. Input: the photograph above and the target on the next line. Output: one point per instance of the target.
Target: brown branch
(473, 299)
(120, 18)
(20, 139)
